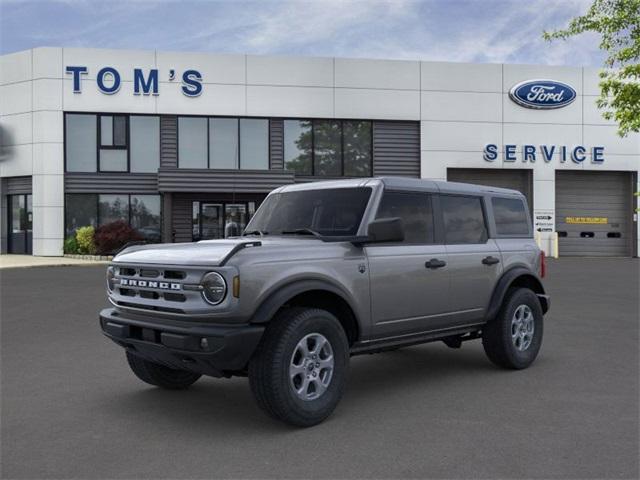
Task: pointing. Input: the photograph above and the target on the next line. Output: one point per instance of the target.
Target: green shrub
(84, 237)
(71, 245)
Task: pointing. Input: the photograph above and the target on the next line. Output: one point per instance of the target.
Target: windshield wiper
(254, 232)
(302, 231)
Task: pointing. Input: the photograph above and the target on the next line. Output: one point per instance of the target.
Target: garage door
(520, 179)
(593, 213)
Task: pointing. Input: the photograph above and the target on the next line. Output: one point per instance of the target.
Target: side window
(463, 219)
(510, 215)
(415, 211)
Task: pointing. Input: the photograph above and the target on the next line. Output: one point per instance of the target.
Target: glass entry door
(20, 224)
(220, 220)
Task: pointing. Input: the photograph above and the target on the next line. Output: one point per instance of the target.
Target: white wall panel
(289, 101)
(542, 134)
(16, 161)
(377, 104)
(124, 61)
(47, 222)
(213, 68)
(15, 98)
(392, 74)
(47, 94)
(459, 136)
(614, 144)
(47, 62)
(15, 67)
(461, 77)
(591, 78)
(48, 247)
(48, 159)
(592, 114)
(48, 126)
(48, 190)
(15, 129)
(214, 100)
(514, 74)
(289, 71)
(93, 100)
(461, 106)
(571, 114)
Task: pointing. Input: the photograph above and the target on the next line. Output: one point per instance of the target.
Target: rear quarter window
(510, 216)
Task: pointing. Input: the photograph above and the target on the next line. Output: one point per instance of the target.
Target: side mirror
(385, 230)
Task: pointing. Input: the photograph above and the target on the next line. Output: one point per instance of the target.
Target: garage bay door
(593, 213)
(520, 179)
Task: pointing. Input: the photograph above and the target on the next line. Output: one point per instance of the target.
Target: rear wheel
(159, 375)
(299, 371)
(513, 338)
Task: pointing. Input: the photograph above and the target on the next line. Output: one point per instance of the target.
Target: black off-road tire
(159, 375)
(269, 367)
(497, 334)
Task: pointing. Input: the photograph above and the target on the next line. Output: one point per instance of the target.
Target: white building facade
(185, 146)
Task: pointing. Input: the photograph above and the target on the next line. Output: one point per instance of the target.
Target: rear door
(474, 260)
(409, 280)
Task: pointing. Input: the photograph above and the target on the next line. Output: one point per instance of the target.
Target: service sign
(544, 220)
(542, 94)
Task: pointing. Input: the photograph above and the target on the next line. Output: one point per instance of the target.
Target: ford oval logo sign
(542, 94)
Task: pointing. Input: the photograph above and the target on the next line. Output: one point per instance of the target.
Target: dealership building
(185, 146)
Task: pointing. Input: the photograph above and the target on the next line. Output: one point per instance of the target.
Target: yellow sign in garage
(587, 220)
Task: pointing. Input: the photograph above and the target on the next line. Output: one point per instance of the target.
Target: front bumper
(180, 345)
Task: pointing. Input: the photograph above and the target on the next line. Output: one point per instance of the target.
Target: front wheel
(299, 371)
(513, 338)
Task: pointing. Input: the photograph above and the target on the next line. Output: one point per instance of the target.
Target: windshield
(328, 212)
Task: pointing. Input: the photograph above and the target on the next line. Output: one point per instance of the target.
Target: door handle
(490, 260)
(435, 263)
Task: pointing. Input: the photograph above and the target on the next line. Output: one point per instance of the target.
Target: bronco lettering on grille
(130, 282)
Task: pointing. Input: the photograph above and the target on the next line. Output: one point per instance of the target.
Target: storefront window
(192, 142)
(80, 142)
(212, 220)
(357, 148)
(223, 142)
(254, 144)
(297, 146)
(80, 211)
(327, 148)
(145, 216)
(112, 208)
(144, 143)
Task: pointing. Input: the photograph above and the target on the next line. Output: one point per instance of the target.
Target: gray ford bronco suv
(327, 270)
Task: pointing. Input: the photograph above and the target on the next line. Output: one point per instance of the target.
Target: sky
(486, 31)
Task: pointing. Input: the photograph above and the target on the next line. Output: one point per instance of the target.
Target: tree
(618, 23)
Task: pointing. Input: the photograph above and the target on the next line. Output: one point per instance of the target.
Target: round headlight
(111, 273)
(214, 288)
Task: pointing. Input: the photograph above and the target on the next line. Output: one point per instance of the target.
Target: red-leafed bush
(111, 237)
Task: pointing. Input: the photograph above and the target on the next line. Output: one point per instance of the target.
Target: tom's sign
(108, 80)
(542, 94)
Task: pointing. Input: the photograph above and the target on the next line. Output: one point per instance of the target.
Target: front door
(20, 224)
(214, 220)
(409, 280)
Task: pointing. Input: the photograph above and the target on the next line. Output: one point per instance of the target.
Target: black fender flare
(506, 280)
(275, 300)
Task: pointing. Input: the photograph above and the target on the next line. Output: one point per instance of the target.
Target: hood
(205, 252)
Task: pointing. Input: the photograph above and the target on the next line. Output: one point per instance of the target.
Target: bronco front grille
(168, 290)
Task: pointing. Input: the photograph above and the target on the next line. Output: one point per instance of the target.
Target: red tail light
(543, 264)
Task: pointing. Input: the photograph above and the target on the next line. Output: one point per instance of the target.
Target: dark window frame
(98, 115)
(342, 121)
(483, 208)
(101, 147)
(235, 117)
(223, 204)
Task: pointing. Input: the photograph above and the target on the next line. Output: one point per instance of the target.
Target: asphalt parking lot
(71, 408)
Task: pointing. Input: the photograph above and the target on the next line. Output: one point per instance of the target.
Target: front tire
(299, 371)
(159, 375)
(513, 339)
